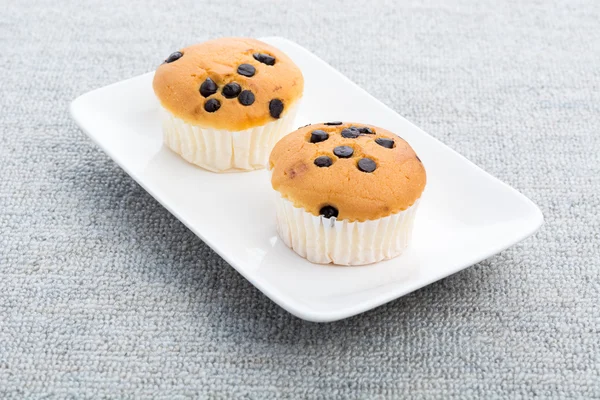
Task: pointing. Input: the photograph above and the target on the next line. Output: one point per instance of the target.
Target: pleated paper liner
(323, 241)
(220, 150)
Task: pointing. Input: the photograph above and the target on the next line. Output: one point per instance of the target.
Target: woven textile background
(104, 294)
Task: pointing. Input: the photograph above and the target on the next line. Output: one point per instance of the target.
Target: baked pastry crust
(177, 83)
(396, 183)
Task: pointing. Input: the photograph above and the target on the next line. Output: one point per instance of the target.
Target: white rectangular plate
(466, 215)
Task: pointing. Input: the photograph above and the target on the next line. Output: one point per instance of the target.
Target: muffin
(226, 102)
(347, 193)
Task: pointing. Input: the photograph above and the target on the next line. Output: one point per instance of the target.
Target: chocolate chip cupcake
(226, 102)
(347, 192)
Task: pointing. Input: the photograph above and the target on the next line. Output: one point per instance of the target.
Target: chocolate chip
(350, 133)
(418, 159)
(264, 58)
(329, 212)
(367, 165)
(387, 143)
(304, 126)
(343, 151)
(174, 57)
(246, 98)
(231, 90)
(208, 87)
(318, 136)
(275, 108)
(246, 70)
(212, 105)
(323, 161)
(333, 123)
(366, 130)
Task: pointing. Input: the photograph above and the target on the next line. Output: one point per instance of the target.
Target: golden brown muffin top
(228, 83)
(353, 171)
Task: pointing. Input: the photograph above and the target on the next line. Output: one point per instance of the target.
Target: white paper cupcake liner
(220, 150)
(324, 241)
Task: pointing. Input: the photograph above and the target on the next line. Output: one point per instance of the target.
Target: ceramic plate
(465, 216)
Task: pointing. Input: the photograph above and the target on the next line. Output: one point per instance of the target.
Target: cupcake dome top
(351, 171)
(228, 83)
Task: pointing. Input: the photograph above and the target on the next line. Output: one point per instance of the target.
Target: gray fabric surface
(104, 294)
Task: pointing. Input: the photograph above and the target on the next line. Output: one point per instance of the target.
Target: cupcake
(226, 102)
(347, 193)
